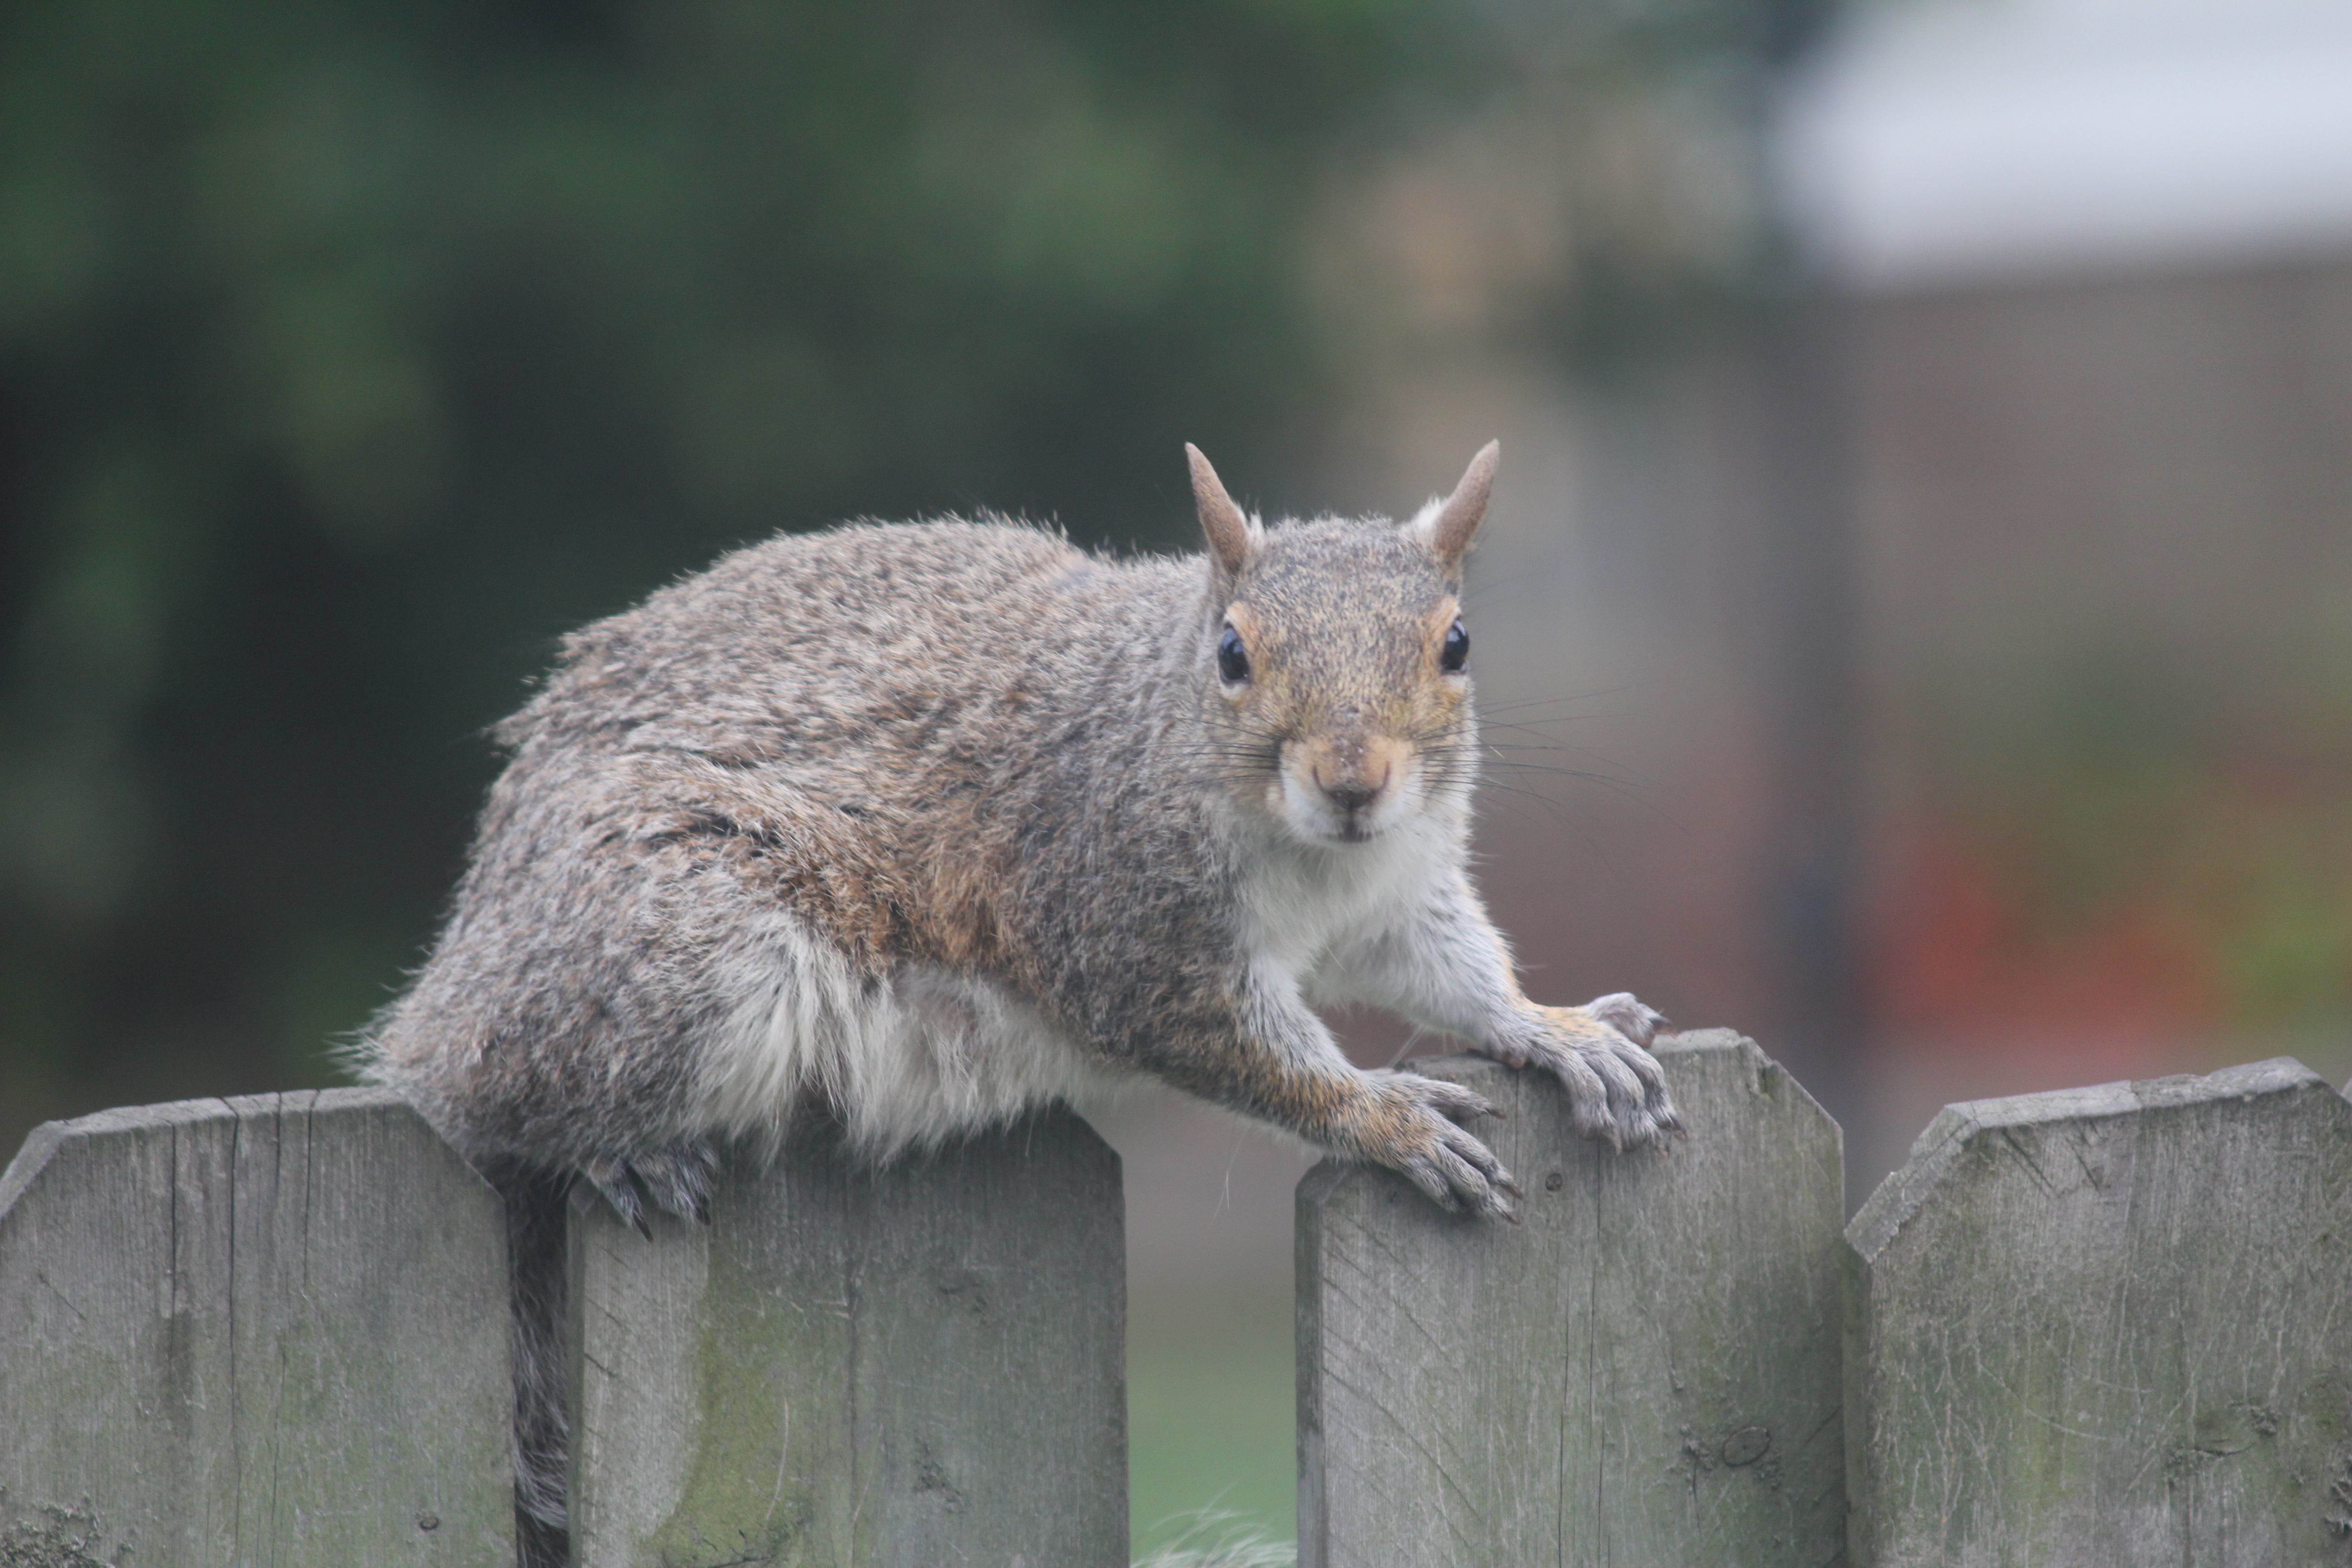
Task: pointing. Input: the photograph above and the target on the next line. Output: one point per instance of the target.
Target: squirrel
(931, 823)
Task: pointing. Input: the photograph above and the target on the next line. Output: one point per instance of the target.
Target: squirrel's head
(1334, 664)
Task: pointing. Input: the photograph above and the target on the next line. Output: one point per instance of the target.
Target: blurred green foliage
(351, 350)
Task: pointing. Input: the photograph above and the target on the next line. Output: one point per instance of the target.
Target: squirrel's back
(811, 647)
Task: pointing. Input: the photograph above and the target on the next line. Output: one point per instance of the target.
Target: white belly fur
(908, 1061)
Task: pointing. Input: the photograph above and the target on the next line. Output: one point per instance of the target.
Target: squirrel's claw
(1423, 1142)
(613, 1178)
(676, 1177)
(1616, 1091)
(1624, 1013)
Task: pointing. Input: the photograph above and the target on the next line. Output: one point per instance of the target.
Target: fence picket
(1644, 1371)
(262, 1330)
(910, 1366)
(2110, 1326)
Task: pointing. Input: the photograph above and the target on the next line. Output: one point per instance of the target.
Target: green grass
(1209, 1412)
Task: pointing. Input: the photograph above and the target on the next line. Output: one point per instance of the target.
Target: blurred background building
(1915, 622)
(2095, 262)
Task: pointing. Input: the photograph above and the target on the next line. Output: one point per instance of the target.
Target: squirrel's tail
(537, 1281)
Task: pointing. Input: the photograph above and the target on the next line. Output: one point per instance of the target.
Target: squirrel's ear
(1232, 536)
(1449, 527)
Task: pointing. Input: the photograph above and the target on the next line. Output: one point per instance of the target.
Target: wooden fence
(2109, 1326)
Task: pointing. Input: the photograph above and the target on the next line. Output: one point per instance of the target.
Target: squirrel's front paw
(1615, 1089)
(1412, 1128)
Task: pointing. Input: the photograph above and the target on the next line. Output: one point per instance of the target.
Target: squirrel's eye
(1456, 651)
(1233, 659)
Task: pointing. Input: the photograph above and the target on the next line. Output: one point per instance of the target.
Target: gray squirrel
(931, 823)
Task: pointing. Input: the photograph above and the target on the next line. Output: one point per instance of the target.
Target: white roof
(1951, 142)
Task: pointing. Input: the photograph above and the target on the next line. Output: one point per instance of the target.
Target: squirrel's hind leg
(676, 1177)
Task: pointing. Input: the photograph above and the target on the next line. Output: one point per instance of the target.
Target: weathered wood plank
(1646, 1371)
(916, 1366)
(2110, 1326)
(256, 1331)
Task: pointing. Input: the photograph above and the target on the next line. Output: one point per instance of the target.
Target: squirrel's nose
(1352, 777)
(1349, 789)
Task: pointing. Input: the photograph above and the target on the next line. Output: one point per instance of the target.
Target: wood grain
(256, 1331)
(1646, 1371)
(916, 1366)
(2110, 1326)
